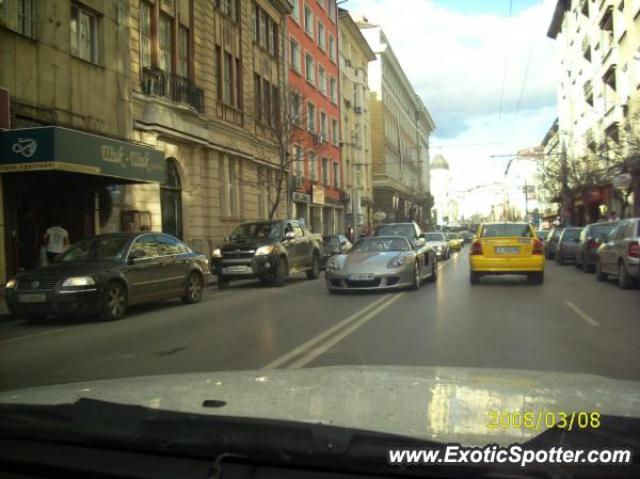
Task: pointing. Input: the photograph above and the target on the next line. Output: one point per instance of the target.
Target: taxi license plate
(241, 269)
(507, 250)
(361, 277)
(32, 298)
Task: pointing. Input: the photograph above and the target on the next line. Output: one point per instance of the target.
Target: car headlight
(333, 264)
(11, 284)
(264, 250)
(216, 253)
(78, 281)
(397, 261)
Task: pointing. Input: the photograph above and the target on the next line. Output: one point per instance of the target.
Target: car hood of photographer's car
(433, 403)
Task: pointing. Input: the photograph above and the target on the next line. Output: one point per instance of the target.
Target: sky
(486, 74)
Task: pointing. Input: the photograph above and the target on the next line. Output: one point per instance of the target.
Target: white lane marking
(31, 336)
(320, 337)
(317, 351)
(588, 319)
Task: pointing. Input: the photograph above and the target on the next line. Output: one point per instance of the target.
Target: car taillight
(634, 249)
(538, 247)
(476, 248)
(593, 244)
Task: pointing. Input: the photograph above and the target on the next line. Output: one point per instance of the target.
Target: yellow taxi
(507, 248)
(455, 242)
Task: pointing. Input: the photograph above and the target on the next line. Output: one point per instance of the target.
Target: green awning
(63, 149)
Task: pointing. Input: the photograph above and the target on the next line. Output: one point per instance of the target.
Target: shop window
(171, 200)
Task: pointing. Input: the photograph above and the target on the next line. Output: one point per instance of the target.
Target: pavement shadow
(513, 281)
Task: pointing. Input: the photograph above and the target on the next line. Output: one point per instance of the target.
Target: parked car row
(611, 249)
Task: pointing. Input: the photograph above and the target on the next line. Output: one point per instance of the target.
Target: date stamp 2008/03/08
(539, 420)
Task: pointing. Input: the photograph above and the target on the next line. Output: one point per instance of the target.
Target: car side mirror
(134, 256)
(420, 242)
(289, 235)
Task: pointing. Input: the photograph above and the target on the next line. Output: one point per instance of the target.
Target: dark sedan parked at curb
(567, 245)
(104, 275)
(591, 237)
(381, 262)
(619, 255)
(551, 242)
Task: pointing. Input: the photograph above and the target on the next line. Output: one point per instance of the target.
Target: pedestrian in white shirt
(56, 240)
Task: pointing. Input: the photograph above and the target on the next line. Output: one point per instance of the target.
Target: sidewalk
(5, 316)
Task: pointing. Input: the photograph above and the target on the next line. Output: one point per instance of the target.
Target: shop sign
(301, 197)
(379, 216)
(317, 194)
(56, 148)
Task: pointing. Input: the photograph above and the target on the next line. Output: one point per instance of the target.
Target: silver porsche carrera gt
(382, 262)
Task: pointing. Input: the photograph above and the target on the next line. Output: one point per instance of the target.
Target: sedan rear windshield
(506, 230)
(397, 230)
(97, 249)
(435, 237)
(381, 245)
(600, 230)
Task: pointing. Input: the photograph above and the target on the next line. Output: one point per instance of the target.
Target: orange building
(317, 181)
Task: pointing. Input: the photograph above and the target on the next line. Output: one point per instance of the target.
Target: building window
(308, 20)
(309, 68)
(311, 117)
(313, 166)
(333, 90)
(145, 34)
(322, 80)
(323, 124)
(171, 200)
(266, 101)
(298, 158)
(227, 7)
(84, 35)
(332, 10)
(325, 171)
(229, 187)
(322, 36)
(332, 47)
(264, 191)
(295, 55)
(257, 86)
(19, 16)
(183, 51)
(296, 108)
(275, 107)
(228, 83)
(336, 175)
(165, 44)
(265, 31)
(295, 14)
(334, 131)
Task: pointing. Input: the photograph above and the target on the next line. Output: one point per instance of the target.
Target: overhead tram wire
(504, 71)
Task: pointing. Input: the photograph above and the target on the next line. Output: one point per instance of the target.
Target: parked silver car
(567, 245)
(591, 237)
(619, 256)
(382, 262)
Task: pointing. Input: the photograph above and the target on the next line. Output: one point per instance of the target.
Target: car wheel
(34, 318)
(416, 277)
(114, 302)
(535, 278)
(624, 280)
(315, 267)
(193, 289)
(434, 271)
(280, 273)
(223, 283)
(600, 276)
(474, 278)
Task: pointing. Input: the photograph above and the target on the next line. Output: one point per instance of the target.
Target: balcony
(156, 82)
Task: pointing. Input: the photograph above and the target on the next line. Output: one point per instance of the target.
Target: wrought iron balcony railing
(176, 88)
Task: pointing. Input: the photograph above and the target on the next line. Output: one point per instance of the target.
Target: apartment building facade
(400, 130)
(355, 121)
(599, 104)
(317, 175)
(141, 115)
